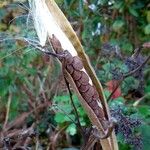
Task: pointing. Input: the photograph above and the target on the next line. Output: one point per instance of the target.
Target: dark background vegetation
(33, 95)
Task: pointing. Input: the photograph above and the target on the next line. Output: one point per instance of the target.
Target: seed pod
(74, 67)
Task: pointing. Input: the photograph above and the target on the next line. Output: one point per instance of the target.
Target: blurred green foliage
(121, 23)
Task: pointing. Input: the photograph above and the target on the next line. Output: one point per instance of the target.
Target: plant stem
(127, 75)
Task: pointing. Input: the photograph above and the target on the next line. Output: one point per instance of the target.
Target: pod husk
(111, 142)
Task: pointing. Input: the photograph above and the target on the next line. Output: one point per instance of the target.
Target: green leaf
(145, 136)
(14, 107)
(72, 129)
(148, 16)
(62, 98)
(147, 89)
(69, 117)
(144, 110)
(4, 71)
(119, 5)
(117, 25)
(133, 11)
(127, 47)
(81, 7)
(67, 108)
(123, 146)
(119, 101)
(4, 86)
(82, 121)
(81, 111)
(147, 29)
(60, 118)
(59, 2)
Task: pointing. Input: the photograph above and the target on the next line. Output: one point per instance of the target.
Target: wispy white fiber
(46, 25)
(36, 6)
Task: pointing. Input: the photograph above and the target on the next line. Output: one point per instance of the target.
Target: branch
(74, 107)
(127, 75)
(137, 69)
(8, 109)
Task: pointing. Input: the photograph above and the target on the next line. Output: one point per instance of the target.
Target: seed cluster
(126, 127)
(74, 67)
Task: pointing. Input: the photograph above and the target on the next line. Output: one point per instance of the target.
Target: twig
(8, 109)
(74, 107)
(137, 51)
(127, 75)
(137, 69)
(54, 138)
(136, 103)
(97, 61)
(55, 105)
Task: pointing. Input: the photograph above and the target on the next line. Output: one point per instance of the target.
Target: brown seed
(77, 63)
(89, 93)
(96, 95)
(68, 57)
(76, 75)
(86, 97)
(56, 44)
(91, 90)
(93, 104)
(83, 88)
(78, 84)
(99, 113)
(69, 69)
(84, 78)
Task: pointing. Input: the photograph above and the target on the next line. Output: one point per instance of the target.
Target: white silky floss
(46, 25)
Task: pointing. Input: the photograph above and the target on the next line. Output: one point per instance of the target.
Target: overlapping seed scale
(78, 84)
(69, 68)
(96, 95)
(88, 94)
(87, 98)
(90, 91)
(84, 78)
(68, 57)
(99, 113)
(77, 63)
(76, 75)
(93, 104)
(97, 110)
(84, 88)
